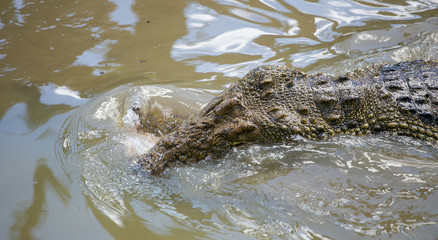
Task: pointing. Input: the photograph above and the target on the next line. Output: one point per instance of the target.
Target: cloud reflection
(124, 15)
(215, 34)
(53, 94)
(240, 40)
(95, 55)
(230, 36)
(18, 5)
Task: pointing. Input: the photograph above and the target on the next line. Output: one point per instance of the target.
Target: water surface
(69, 70)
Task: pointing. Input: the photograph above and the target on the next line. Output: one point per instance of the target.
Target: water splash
(359, 186)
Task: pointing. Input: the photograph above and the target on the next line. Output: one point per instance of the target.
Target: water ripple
(272, 32)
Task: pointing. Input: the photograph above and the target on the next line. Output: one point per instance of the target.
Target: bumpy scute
(273, 103)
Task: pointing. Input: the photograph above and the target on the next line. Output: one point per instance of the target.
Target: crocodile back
(402, 98)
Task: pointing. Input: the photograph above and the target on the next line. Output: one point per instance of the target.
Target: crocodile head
(225, 122)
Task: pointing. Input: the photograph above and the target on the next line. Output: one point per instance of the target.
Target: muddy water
(69, 70)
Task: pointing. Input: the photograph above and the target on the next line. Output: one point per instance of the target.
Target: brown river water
(70, 70)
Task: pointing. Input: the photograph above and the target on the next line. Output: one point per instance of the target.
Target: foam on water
(346, 186)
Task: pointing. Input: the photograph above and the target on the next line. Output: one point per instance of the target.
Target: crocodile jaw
(224, 123)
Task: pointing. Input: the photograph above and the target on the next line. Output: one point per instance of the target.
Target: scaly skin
(271, 104)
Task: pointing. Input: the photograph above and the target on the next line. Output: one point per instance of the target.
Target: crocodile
(275, 104)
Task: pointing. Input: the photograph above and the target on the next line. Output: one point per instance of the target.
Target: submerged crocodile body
(273, 104)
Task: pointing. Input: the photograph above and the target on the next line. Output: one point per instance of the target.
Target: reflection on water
(95, 59)
(124, 15)
(97, 148)
(95, 55)
(250, 34)
(31, 114)
(26, 220)
(347, 186)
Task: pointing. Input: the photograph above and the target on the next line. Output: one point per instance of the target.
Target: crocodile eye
(227, 106)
